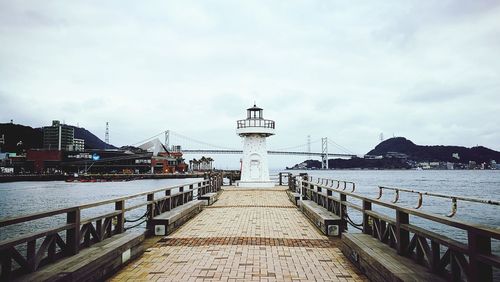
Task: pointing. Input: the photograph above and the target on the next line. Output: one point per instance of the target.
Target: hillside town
(62, 153)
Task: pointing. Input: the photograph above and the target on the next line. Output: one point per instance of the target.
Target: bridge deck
(247, 235)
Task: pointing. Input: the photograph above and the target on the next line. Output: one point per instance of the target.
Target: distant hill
(32, 138)
(14, 133)
(91, 141)
(415, 152)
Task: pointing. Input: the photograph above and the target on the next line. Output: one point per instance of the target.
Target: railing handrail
(265, 123)
(468, 199)
(493, 232)
(82, 232)
(33, 216)
(407, 238)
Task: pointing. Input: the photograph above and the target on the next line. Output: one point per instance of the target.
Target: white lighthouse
(254, 130)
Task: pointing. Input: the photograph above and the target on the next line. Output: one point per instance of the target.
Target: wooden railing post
(150, 213)
(319, 196)
(73, 234)
(343, 212)
(31, 255)
(403, 236)
(367, 206)
(479, 245)
(328, 200)
(436, 256)
(181, 190)
(291, 184)
(169, 200)
(120, 218)
(6, 261)
(191, 192)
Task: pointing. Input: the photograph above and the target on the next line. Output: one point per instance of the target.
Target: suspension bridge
(189, 145)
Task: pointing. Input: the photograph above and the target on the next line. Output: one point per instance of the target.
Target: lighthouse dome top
(255, 123)
(254, 112)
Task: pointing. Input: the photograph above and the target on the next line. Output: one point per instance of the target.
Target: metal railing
(264, 123)
(78, 233)
(443, 255)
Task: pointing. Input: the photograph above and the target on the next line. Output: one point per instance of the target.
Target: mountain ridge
(443, 153)
(32, 138)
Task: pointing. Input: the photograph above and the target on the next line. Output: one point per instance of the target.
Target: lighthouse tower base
(255, 184)
(254, 167)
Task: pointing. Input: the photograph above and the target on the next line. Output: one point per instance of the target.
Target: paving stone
(247, 235)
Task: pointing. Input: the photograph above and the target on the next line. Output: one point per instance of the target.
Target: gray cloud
(425, 70)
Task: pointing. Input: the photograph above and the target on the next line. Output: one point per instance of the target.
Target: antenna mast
(106, 136)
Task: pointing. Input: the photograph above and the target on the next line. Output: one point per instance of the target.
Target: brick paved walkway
(248, 235)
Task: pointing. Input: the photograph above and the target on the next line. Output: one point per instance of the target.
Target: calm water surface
(30, 197)
(21, 198)
(483, 184)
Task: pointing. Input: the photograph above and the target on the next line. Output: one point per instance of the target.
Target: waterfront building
(203, 164)
(2, 142)
(42, 161)
(254, 166)
(58, 136)
(168, 162)
(78, 145)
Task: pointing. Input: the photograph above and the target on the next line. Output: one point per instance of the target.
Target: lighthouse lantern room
(254, 166)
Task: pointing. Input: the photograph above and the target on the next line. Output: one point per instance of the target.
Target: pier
(303, 230)
(245, 235)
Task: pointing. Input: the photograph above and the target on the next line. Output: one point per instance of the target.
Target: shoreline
(93, 177)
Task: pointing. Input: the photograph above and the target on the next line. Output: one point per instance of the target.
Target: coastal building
(254, 167)
(2, 142)
(472, 165)
(203, 164)
(58, 136)
(78, 145)
(168, 162)
(373, 157)
(41, 161)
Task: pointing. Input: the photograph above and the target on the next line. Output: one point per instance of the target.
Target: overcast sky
(347, 70)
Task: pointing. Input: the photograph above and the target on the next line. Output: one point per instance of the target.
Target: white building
(254, 166)
(78, 145)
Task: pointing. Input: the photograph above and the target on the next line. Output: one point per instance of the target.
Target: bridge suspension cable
(199, 142)
(297, 146)
(147, 139)
(342, 148)
(286, 150)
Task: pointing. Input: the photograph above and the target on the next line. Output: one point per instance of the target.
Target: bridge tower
(254, 167)
(324, 153)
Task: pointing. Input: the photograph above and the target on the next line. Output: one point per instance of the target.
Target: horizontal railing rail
(26, 253)
(265, 123)
(455, 260)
